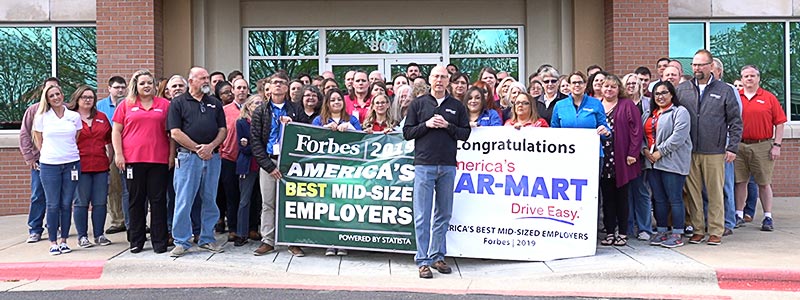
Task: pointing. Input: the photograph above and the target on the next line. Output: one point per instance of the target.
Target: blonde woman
(55, 133)
(502, 90)
(143, 152)
(246, 168)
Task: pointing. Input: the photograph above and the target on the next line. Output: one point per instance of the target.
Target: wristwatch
(776, 145)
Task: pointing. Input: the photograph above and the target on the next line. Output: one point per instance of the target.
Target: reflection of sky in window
(720, 28)
(685, 39)
(495, 36)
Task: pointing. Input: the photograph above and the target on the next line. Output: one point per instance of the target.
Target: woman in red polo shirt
(379, 118)
(94, 145)
(142, 150)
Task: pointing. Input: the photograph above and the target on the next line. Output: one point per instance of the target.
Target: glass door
(398, 65)
(340, 66)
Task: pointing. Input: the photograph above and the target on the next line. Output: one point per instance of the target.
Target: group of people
(201, 154)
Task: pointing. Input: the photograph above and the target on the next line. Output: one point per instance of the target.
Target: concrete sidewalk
(747, 260)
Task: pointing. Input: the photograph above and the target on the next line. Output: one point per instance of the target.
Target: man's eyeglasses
(550, 81)
(278, 82)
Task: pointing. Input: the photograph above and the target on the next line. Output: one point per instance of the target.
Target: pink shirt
(144, 132)
(230, 146)
(354, 109)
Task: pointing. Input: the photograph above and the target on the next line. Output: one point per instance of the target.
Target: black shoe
(116, 229)
(136, 249)
(220, 227)
(239, 241)
(159, 251)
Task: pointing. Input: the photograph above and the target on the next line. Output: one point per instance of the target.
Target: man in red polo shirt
(762, 116)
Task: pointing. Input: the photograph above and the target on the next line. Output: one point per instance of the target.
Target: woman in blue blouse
(581, 111)
(334, 116)
(476, 104)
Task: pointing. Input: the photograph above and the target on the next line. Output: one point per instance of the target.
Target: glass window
(263, 68)
(684, 40)
(283, 43)
(472, 66)
(483, 41)
(424, 70)
(76, 57)
(340, 70)
(26, 59)
(739, 44)
(370, 41)
(794, 60)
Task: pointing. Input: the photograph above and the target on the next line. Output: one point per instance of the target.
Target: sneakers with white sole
(83, 242)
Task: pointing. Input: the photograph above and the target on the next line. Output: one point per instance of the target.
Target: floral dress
(607, 170)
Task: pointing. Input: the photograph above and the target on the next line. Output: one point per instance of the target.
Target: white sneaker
(643, 236)
(33, 238)
(83, 242)
(178, 251)
(330, 252)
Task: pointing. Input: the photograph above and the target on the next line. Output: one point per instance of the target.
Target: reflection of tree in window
(263, 68)
(76, 57)
(26, 63)
(283, 43)
(794, 49)
(361, 41)
(759, 44)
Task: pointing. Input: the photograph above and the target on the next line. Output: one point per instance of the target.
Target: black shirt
(302, 117)
(201, 124)
(436, 146)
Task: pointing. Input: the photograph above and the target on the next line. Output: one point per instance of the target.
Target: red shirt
(760, 114)
(144, 131)
(539, 123)
(92, 144)
(230, 146)
(650, 126)
(377, 126)
(351, 105)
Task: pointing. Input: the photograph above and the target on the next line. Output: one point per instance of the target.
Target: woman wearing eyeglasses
(94, 145)
(668, 152)
(579, 110)
(524, 113)
(640, 214)
(551, 95)
(379, 119)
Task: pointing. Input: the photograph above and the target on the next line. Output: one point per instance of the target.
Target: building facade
(87, 42)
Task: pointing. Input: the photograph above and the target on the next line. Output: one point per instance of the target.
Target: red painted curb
(759, 279)
(52, 270)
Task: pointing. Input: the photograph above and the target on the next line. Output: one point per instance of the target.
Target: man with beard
(197, 123)
(717, 104)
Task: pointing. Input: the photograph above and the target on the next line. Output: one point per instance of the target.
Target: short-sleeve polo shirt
(760, 114)
(199, 120)
(144, 133)
(92, 144)
(58, 136)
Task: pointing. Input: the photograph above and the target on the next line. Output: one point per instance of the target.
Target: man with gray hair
(375, 76)
(176, 85)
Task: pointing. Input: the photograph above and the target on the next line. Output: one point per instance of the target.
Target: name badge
(276, 149)
(760, 101)
(158, 110)
(211, 105)
(715, 96)
(588, 109)
(452, 112)
(73, 175)
(135, 108)
(129, 170)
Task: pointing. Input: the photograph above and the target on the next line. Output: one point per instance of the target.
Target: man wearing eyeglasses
(265, 131)
(435, 122)
(714, 111)
(196, 122)
(117, 190)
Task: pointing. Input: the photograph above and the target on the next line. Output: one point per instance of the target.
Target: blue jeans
(247, 184)
(668, 191)
(195, 181)
(92, 188)
(59, 190)
(640, 212)
(752, 196)
(730, 200)
(432, 238)
(38, 204)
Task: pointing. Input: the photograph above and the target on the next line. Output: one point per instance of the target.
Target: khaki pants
(708, 170)
(116, 218)
(269, 188)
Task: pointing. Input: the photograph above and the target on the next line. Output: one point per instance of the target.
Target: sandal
(621, 240)
(609, 240)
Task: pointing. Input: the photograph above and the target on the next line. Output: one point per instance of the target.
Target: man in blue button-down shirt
(117, 193)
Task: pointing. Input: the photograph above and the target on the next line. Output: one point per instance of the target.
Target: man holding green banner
(436, 122)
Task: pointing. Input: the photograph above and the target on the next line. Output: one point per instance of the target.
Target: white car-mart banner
(528, 194)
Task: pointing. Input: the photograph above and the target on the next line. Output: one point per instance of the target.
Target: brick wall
(787, 170)
(128, 39)
(15, 183)
(637, 34)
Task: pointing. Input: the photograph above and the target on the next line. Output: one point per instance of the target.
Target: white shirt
(59, 145)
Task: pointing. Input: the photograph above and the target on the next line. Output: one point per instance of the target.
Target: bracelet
(776, 145)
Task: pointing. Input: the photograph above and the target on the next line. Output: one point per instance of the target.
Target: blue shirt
(107, 106)
(489, 117)
(353, 121)
(590, 114)
(275, 129)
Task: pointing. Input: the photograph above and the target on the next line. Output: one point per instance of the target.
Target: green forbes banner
(346, 190)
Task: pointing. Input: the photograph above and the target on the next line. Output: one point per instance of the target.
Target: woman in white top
(55, 133)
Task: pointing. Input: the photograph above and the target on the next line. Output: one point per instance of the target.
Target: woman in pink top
(524, 113)
(143, 151)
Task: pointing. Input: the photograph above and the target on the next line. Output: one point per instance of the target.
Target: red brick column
(637, 34)
(128, 38)
(15, 183)
(787, 170)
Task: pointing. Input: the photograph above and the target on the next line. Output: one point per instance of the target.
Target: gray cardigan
(672, 140)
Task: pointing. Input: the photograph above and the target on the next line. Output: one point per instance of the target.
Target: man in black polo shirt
(197, 123)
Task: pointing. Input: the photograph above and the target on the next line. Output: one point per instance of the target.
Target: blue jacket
(489, 117)
(590, 114)
(245, 157)
(353, 121)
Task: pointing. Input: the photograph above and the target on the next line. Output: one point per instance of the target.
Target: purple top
(628, 136)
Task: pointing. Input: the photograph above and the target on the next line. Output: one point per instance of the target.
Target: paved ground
(751, 263)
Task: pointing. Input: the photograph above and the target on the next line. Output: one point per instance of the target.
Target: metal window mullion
(445, 45)
(787, 79)
(246, 54)
(53, 46)
(322, 49)
(484, 56)
(520, 50)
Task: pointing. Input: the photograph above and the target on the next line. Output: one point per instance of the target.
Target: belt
(184, 150)
(746, 141)
(275, 157)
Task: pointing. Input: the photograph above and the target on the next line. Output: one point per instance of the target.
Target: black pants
(229, 183)
(615, 206)
(149, 185)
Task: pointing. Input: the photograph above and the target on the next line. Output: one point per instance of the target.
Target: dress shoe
(264, 249)
(254, 235)
(116, 229)
(727, 232)
(231, 237)
(425, 272)
(239, 241)
(442, 267)
(714, 240)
